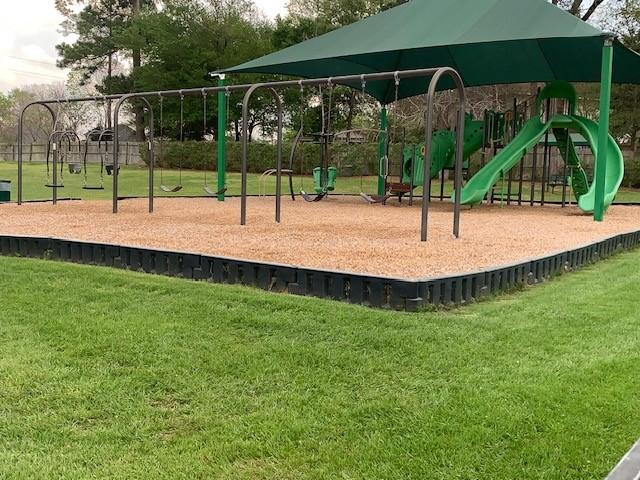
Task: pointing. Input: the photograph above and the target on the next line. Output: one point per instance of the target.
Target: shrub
(360, 158)
(631, 172)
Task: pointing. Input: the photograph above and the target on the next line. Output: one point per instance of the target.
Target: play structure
(442, 157)
(477, 188)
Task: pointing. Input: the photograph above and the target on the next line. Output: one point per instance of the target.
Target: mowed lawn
(134, 181)
(112, 374)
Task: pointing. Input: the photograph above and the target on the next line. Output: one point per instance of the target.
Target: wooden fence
(37, 153)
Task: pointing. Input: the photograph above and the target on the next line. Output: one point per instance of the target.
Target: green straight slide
(479, 185)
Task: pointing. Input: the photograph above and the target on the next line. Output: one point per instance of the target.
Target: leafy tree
(187, 40)
(105, 29)
(625, 99)
(7, 121)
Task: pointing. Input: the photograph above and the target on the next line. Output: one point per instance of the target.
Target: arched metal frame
(116, 148)
(54, 192)
(426, 181)
(245, 150)
(56, 138)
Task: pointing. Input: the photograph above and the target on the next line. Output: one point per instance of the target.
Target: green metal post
(603, 130)
(222, 138)
(382, 150)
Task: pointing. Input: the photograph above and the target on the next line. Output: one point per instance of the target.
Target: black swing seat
(309, 198)
(53, 185)
(109, 169)
(93, 187)
(214, 192)
(373, 199)
(175, 189)
(75, 168)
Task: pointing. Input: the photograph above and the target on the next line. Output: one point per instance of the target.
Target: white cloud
(27, 43)
(31, 29)
(271, 8)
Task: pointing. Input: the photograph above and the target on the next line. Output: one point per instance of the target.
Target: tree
(580, 8)
(310, 18)
(6, 118)
(105, 29)
(187, 40)
(625, 99)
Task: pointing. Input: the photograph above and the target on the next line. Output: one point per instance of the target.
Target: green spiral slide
(479, 185)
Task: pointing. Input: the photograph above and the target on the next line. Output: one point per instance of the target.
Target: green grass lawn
(134, 182)
(112, 374)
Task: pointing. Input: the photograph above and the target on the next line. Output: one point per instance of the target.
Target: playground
(332, 260)
(341, 233)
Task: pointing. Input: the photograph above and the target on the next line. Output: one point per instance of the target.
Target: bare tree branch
(590, 11)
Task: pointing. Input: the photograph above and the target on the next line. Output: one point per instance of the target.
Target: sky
(31, 29)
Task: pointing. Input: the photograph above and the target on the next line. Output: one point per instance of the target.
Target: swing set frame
(431, 75)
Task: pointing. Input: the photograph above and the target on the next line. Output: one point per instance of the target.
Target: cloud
(271, 8)
(31, 30)
(27, 44)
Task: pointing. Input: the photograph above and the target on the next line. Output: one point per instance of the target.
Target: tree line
(138, 45)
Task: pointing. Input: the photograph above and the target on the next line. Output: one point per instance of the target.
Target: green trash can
(5, 191)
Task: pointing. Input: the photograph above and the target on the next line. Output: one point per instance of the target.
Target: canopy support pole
(600, 175)
(222, 138)
(382, 150)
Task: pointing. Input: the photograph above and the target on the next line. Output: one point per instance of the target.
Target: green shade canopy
(487, 41)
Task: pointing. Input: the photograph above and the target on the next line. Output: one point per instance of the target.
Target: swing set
(179, 186)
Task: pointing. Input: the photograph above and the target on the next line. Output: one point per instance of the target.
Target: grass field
(134, 182)
(111, 374)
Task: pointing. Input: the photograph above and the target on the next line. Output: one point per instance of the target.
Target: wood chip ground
(340, 233)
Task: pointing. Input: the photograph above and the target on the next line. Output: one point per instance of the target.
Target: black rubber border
(373, 291)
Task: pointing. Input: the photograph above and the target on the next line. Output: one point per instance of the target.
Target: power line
(35, 74)
(41, 62)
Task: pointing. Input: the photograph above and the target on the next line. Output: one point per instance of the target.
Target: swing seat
(109, 169)
(309, 198)
(373, 199)
(53, 185)
(397, 188)
(93, 187)
(75, 168)
(175, 189)
(213, 192)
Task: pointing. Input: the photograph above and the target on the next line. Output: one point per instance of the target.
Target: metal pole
(222, 138)
(459, 159)
(426, 180)
(245, 150)
(382, 149)
(20, 142)
(342, 80)
(116, 147)
(279, 157)
(600, 176)
(20, 127)
(152, 160)
(54, 181)
(546, 158)
(564, 170)
(412, 177)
